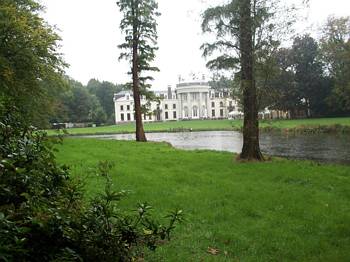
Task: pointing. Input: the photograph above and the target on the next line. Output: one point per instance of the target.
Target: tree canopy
(140, 28)
(31, 66)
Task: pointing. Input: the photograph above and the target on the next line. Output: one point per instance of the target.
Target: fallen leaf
(213, 251)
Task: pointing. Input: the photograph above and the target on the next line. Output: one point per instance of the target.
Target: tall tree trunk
(140, 133)
(251, 148)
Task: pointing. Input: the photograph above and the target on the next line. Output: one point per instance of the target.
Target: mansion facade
(192, 100)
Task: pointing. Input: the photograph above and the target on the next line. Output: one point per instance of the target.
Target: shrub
(43, 216)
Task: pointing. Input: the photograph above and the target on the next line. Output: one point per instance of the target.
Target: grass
(331, 124)
(274, 211)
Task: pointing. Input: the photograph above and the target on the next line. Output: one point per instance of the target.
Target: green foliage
(297, 81)
(311, 77)
(269, 28)
(105, 91)
(77, 104)
(30, 66)
(335, 46)
(139, 26)
(43, 215)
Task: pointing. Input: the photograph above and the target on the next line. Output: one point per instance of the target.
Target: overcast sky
(90, 33)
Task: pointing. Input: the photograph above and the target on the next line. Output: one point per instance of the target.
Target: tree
(308, 72)
(78, 105)
(140, 28)
(248, 34)
(335, 49)
(83, 106)
(251, 148)
(283, 86)
(105, 91)
(30, 66)
(233, 20)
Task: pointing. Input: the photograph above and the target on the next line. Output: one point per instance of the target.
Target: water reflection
(321, 147)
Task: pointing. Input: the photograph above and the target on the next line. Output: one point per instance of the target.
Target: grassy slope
(210, 125)
(275, 211)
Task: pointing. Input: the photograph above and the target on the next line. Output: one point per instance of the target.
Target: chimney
(170, 95)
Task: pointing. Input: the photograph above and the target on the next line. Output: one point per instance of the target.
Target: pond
(320, 147)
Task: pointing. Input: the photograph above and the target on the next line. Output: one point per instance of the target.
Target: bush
(43, 216)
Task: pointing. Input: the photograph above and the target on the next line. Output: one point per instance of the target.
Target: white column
(190, 110)
(200, 105)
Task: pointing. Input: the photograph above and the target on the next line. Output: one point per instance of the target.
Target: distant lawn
(200, 125)
(275, 211)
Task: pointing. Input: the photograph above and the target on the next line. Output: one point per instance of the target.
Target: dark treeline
(90, 103)
(312, 77)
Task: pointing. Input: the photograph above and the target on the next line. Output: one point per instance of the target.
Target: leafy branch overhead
(269, 29)
(30, 62)
(139, 25)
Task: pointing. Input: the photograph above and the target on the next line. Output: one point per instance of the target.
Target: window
(204, 111)
(144, 116)
(128, 107)
(184, 97)
(221, 104)
(221, 112)
(213, 113)
(185, 111)
(149, 117)
(212, 104)
(122, 117)
(230, 103)
(195, 111)
(166, 106)
(128, 117)
(121, 108)
(174, 106)
(174, 114)
(166, 115)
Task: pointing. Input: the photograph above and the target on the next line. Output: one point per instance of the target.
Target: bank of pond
(321, 125)
(322, 147)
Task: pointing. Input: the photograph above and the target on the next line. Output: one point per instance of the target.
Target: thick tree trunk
(251, 148)
(140, 133)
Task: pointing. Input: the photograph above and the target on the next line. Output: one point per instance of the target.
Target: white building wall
(189, 101)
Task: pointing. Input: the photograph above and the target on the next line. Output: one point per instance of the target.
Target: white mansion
(192, 100)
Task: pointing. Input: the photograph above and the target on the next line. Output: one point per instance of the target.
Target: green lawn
(200, 125)
(274, 211)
